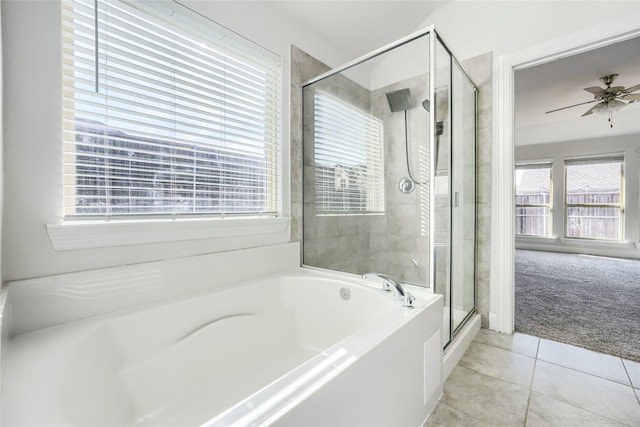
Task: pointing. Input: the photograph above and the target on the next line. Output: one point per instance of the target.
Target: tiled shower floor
(520, 380)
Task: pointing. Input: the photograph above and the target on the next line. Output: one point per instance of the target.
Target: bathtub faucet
(393, 286)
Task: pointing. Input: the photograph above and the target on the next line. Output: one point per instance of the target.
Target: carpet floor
(591, 302)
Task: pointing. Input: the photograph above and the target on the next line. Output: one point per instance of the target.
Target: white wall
(31, 44)
(470, 28)
(630, 145)
(32, 136)
(1, 147)
(264, 24)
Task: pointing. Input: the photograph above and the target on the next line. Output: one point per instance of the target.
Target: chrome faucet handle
(395, 288)
(387, 281)
(408, 300)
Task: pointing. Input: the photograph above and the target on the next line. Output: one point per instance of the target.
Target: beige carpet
(591, 302)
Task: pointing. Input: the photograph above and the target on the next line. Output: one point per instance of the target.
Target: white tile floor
(520, 380)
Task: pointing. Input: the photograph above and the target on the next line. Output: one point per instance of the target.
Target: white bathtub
(284, 350)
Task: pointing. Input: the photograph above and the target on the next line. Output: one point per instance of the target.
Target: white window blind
(594, 160)
(594, 197)
(165, 112)
(533, 199)
(349, 158)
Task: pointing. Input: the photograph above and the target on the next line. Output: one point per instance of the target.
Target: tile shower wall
(400, 246)
(396, 243)
(480, 68)
(336, 242)
(303, 67)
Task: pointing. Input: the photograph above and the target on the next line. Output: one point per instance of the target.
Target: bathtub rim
(336, 361)
(8, 332)
(332, 276)
(40, 302)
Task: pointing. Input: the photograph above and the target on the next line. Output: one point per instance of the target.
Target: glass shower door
(442, 184)
(453, 190)
(463, 197)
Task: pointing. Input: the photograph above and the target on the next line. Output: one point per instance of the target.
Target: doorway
(503, 212)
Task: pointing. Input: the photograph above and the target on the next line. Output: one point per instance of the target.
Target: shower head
(426, 104)
(399, 100)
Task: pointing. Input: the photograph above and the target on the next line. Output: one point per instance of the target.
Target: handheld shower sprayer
(400, 100)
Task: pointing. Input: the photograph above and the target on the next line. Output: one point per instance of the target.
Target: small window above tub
(349, 158)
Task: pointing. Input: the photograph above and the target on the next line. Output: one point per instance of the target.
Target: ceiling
(561, 83)
(344, 26)
(538, 89)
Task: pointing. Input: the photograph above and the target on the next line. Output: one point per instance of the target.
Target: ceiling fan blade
(596, 90)
(632, 89)
(631, 97)
(571, 106)
(615, 89)
(589, 111)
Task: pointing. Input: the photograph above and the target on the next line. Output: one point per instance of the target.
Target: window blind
(349, 158)
(534, 165)
(594, 160)
(166, 113)
(594, 197)
(533, 201)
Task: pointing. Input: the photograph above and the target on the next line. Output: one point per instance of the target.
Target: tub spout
(395, 287)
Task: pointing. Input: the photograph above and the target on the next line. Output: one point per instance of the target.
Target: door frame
(502, 273)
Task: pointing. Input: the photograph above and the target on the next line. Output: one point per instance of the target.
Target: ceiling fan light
(600, 108)
(607, 107)
(615, 105)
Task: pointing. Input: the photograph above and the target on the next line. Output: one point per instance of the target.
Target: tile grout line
(592, 375)
(589, 373)
(494, 378)
(535, 363)
(560, 400)
(506, 381)
(537, 358)
(633, 388)
(571, 403)
(582, 409)
(598, 375)
(462, 412)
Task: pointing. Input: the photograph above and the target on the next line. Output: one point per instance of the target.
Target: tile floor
(520, 380)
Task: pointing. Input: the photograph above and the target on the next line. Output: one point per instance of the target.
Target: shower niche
(389, 171)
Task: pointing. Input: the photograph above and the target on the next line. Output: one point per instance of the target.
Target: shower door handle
(456, 199)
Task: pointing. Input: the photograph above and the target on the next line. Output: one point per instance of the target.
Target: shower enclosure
(389, 171)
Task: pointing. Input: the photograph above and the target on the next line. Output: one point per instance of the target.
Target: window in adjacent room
(533, 199)
(166, 113)
(594, 197)
(349, 159)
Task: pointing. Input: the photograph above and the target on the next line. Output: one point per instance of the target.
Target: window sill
(594, 242)
(624, 249)
(546, 239)
(99, 234)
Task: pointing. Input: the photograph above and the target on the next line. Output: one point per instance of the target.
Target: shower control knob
(406, 185)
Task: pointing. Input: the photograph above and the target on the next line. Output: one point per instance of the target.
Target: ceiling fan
(609, 99)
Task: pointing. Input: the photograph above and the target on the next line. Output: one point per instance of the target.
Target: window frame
(224, 231)
(541, 164)
(620, 205)
(172, 208)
